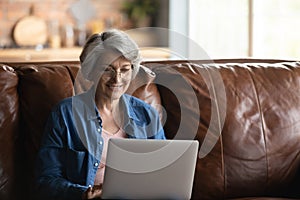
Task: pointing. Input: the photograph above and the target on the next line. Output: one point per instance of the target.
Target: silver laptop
(149, 169)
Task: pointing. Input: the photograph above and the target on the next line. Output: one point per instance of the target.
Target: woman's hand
(93, 192)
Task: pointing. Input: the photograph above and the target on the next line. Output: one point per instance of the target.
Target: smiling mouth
(115, 87)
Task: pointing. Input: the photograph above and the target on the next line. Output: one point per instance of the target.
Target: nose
(117, 76)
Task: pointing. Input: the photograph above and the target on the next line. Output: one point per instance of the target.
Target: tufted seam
(261, 119)
(211, 79)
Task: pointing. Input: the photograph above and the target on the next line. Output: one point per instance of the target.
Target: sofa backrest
(255, 137)
(254, 142)
(9, 120)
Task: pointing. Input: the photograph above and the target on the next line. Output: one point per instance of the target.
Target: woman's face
(115, 77)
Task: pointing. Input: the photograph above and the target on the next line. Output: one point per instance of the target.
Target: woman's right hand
(93, 192)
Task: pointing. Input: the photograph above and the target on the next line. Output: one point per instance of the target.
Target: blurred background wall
(58, 16)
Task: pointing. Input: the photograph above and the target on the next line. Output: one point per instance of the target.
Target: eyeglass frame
(110, 72)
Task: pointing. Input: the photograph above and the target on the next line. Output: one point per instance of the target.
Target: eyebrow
(125, 65)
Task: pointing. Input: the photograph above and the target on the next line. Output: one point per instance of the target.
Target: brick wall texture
(107, 13)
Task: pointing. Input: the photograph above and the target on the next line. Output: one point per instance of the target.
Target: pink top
(106, 136)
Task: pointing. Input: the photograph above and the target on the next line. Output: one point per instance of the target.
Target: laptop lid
(149, 169)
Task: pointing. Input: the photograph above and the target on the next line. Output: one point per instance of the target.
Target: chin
(116, 95)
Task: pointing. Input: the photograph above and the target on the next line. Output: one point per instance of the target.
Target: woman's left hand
(93, 192)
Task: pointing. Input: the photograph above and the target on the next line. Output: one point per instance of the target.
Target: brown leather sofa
(244, 112)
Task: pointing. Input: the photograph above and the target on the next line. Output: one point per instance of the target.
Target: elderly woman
(71, 160)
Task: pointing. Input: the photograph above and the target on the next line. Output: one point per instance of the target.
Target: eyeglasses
(110, 72)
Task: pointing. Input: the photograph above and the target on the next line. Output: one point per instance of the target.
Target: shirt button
(100, 142)
(96, 164)
(98, 130)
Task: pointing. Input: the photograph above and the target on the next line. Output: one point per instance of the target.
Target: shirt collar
(125, 101)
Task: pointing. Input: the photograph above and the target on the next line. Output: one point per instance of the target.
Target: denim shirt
(72, 144)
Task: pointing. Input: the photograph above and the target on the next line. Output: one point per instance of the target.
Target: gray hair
(111, 40)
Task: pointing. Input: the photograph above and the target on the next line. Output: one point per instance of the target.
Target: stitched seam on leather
(70, 73)
(220, 135)
(71, 77)
(262, 121)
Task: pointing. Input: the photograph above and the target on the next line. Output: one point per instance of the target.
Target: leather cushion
(9, 118)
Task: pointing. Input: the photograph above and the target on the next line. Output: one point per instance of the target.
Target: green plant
(137, 10)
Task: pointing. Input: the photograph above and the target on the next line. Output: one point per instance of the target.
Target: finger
(98, 186)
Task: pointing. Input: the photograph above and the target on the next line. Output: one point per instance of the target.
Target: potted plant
(141, 12)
